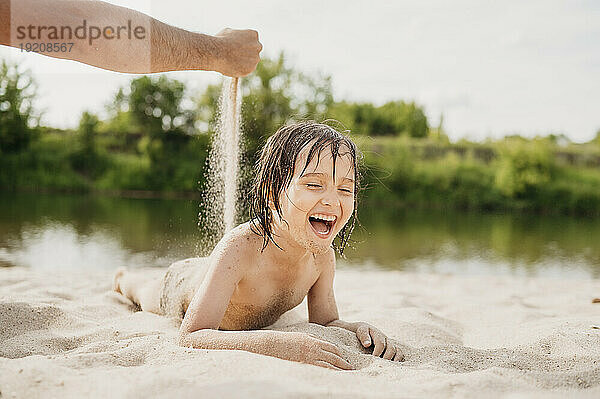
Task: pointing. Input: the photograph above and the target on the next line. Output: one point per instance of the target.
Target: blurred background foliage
(155, 138)
(17, 119)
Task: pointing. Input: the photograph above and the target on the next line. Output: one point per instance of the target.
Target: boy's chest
(267, 284)
(265, 294)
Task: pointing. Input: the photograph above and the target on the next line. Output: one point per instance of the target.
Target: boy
(302, 198)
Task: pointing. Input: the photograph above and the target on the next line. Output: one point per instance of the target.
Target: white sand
(66, 335)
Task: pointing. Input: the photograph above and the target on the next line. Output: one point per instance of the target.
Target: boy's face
(317, 204)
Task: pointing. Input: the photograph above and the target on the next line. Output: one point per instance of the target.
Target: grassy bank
(55, 162)
(509, 175)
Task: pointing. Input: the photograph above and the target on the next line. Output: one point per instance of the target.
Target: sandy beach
(67, 335)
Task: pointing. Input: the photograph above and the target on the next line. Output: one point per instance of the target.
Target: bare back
(264, 292)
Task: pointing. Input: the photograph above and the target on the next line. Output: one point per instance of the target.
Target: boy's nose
(329, 199)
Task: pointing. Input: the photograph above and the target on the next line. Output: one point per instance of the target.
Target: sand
(67, 335)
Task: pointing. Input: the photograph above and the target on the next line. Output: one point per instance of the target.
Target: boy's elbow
(196, 339)
(335, 323)
(183, 339)
(322, 321)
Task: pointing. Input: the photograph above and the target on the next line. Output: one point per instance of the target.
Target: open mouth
(322, 224)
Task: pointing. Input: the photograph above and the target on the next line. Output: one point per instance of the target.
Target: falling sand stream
(218, 208)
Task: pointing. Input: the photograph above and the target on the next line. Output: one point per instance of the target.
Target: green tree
(120, 131)
(392, 118)
(597, 138)
(359, 118)
(155, 105)
(87, 131)
(439, 133)
(273, 95)
(276, 94)
(523, 166)
(86, 158)
(18, 124)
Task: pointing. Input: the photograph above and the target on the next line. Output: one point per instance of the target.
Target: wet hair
(274, 170)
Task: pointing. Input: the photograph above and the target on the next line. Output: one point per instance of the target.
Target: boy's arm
(293, 346)
(322, 309)
(205, 312)
(208, 306)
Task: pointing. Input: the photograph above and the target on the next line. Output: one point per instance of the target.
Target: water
(218, 209)
(89, 232)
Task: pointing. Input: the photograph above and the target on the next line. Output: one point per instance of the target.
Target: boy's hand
(305, 348)
(384, 347)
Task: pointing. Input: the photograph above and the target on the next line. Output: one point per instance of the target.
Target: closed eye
(313, 185)
(346, 190)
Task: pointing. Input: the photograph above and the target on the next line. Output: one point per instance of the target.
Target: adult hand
(238, 52)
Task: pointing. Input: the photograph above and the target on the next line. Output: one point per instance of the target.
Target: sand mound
(68, 335)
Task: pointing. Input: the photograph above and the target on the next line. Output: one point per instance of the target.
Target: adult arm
(163, 47)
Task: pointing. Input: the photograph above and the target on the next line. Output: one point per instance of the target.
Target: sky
(492, 68)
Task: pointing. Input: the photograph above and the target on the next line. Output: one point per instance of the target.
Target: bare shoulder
(239, 247)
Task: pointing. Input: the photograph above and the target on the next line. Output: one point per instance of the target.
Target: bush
(391, 119)
(523, 167)
(17, 92)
